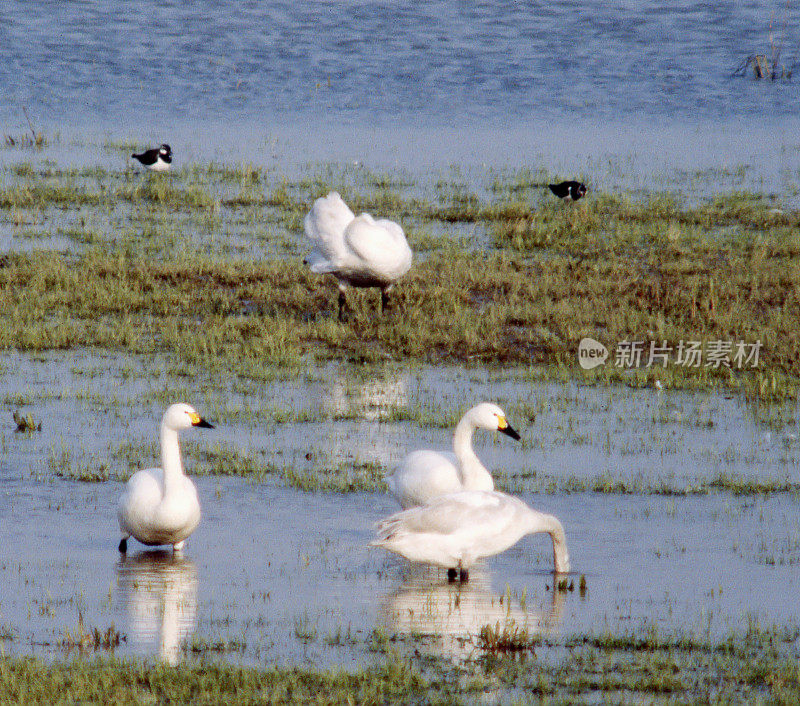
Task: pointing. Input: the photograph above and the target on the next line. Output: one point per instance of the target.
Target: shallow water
(623, 95)
(282, 576)
(277, 575)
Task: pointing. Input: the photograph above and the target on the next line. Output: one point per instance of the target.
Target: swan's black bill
(203, 424)
(510, 431)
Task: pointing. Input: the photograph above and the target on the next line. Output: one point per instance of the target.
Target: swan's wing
(423, 476)
(325, 224)
(465, 511)
(380, 245)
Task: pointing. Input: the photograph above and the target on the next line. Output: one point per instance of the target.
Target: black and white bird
(158, 159)
(568, 190)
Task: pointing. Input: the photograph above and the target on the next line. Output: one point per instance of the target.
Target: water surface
(274, 574)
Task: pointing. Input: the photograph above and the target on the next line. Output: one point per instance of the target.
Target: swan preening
(424, 475)
(358, 251)
(160, 505)
(456, 530)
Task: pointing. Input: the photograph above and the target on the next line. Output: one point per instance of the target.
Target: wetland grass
(759, 665)
(140, 275)
(513, 310)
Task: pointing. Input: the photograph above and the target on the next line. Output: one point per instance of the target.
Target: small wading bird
(157, 159)
(568, 190)
(454, 531)
(424, 475)
(160, 505)
(358, 251)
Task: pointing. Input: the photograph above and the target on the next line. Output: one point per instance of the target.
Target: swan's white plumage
(425, 474)
(456, 530)
(154, 519)
(160, 505)
(359, 251)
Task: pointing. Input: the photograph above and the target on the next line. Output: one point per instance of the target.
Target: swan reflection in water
(378, 397)
(159, 592)
(427, 604)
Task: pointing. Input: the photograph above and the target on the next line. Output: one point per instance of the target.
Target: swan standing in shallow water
(424, 475)
(358, 251)
(160, 505)
(456, 530)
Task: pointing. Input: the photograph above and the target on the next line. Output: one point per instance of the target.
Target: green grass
(641, 484)
(204, 264)
(30, 681)
(512, 310)
(755, 666)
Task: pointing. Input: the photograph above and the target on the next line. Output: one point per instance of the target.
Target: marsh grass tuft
(643, 484)
(83, 639)
(25, 423)
(510, 638)
(360, 476)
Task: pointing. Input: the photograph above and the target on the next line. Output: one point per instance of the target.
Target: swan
(358, 251)
(456, 530)
(424, 475)
(160, 505)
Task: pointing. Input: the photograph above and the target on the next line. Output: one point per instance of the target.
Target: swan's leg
(452, 574)
(178, 546)
(384, 300)
(123, 544)
(342, 305)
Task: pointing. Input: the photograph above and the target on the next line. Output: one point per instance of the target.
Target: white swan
(456, 530)
(424, 475)
(160, 505)
(359, 252)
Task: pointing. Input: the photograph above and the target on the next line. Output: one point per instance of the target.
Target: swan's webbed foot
(463, 575)
(123, 545)
(452, 575)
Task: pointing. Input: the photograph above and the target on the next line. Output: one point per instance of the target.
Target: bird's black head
(165, 149)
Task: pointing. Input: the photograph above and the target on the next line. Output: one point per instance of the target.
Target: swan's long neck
(170, 460)
(551, 525)
(474, 475)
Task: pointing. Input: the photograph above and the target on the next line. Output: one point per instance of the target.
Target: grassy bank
(756, 667)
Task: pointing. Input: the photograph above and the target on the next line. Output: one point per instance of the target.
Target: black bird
(158, 159)
(568, 190)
